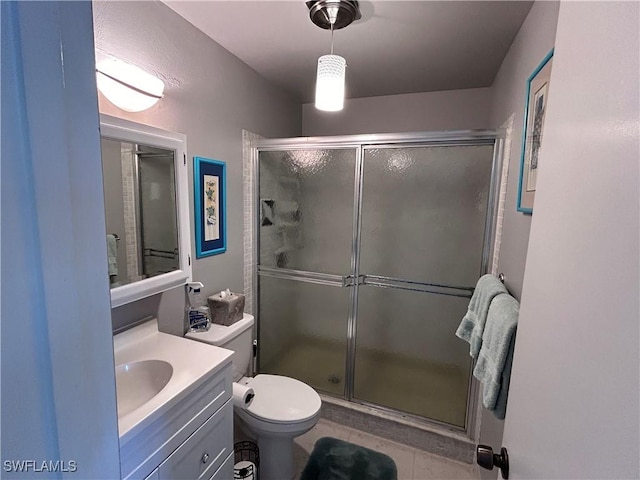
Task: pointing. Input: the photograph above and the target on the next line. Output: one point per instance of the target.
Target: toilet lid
(282, 399)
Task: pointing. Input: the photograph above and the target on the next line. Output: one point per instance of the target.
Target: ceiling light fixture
(331, 15)
(127, 86)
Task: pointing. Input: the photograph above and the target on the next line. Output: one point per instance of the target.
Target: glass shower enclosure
(368, 250)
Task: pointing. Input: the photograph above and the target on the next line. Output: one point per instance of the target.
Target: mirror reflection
(140, 207)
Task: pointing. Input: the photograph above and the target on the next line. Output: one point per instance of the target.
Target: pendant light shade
(330, 83)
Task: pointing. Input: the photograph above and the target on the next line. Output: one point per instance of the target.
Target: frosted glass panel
(303, 331)
(424, 211)
(422, 219)
(407, 355)
(306, 209)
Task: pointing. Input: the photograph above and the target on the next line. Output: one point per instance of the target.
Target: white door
(573, 404)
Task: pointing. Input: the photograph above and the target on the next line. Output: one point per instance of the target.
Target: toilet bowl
(282, 408)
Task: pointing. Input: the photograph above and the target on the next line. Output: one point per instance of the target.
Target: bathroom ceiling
(397, 46)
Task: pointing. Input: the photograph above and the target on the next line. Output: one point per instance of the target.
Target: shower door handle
(416, 286)
(352, 280)
(328, 279)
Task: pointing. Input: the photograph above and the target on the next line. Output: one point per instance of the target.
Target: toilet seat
(282, 400)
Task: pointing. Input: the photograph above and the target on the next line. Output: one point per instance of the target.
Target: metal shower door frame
(360, 143)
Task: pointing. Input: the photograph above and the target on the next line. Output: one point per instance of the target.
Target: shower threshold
(395, 426)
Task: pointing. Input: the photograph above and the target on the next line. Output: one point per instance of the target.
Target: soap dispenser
(197, 312)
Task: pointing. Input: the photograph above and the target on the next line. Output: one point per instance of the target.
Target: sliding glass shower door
(423, 219)
(306, 263)
(368, 255)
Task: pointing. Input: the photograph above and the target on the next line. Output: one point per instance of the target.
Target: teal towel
(112, 254)
(493, 367)
(472, 324)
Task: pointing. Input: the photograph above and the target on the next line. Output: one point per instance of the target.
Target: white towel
(472, 324)
(493, 367)
(112, 254)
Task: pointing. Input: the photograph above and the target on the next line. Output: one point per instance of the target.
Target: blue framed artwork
(209, 191)
(534, 113)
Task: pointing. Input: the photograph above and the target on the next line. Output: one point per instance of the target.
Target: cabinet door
(204, 451)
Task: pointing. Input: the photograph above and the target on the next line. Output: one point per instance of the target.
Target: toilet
(282, 409)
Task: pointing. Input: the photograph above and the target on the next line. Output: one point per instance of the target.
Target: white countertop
(193, 364)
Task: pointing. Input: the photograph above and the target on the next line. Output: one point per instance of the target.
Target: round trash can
(246, 461)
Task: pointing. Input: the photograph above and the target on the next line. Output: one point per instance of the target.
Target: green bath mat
(334, 459)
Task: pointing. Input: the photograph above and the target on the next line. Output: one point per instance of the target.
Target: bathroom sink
(139, 382)
(155, 372)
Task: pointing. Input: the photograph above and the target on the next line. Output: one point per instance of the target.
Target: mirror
(146, 210)
(139, 188)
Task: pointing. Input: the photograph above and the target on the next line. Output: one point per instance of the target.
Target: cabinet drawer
(225, 472)
(204, 451)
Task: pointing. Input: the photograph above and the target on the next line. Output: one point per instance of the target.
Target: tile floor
(412, 464)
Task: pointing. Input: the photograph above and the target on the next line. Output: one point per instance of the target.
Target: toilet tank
(237, 337)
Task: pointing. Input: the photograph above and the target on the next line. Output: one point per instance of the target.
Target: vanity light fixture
(332, 15)
(127, 86)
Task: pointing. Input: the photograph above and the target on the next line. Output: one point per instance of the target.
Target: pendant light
(330, 80)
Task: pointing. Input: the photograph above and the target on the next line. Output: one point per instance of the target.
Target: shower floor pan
(418, 387)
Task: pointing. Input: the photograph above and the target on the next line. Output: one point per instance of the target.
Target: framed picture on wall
(209, 191)
(534, 113)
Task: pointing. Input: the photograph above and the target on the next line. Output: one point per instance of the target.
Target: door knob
(487, 459)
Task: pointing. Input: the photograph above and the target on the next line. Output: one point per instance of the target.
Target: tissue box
(228, 310)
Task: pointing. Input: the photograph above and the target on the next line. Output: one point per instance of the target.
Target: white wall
(210, 96)
(413, 112)
(534, 40)
(58, 385)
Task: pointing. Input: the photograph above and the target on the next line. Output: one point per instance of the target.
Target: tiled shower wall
(130, 221)
(507, 128)
(250, 218)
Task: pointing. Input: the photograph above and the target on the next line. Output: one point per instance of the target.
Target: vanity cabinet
(204, 451)
(193, 440)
